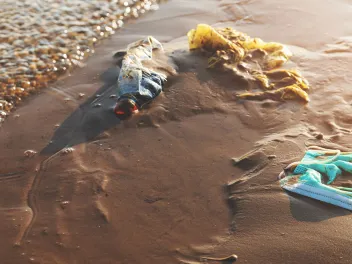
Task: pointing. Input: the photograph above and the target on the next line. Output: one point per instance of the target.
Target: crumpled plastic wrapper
(134, 78)
(253, 60)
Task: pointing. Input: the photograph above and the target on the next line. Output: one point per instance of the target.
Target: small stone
(30, 153)
(3, 114)
(319, 136)
(80, 95)
(45, 231)
(113, 96)
(97, 105)
(67, 150)
(63, 204)
(271, 157)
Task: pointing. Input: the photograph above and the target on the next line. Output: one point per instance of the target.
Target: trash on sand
(252, 59)
(306, 176)
(138, 84)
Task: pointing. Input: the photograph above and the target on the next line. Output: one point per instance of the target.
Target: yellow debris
(288, 92)
(235, 50)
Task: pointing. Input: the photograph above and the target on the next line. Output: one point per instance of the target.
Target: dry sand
(151, 190)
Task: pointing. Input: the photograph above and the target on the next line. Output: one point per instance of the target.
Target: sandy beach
(152, 189)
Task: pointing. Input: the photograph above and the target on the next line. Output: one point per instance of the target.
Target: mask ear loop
(293, 165)
(335, 152)
(290, 167)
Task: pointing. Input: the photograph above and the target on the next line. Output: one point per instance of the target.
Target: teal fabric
(307, 178)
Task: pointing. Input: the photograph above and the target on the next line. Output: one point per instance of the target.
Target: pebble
(63, 204)
(45, 231)
(67, 150)
(30, 153)
(319, 136)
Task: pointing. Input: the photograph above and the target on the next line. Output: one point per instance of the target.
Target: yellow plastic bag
(235, 50)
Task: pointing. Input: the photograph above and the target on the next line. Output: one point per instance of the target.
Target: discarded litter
(138, 84)
(253, 60)
(306, 179)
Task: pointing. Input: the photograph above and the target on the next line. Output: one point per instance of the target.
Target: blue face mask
(306, 178)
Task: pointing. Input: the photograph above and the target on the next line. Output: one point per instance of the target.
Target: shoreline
(151, 194)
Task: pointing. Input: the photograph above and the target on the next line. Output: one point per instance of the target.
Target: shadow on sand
(309, 210)
(91, 118)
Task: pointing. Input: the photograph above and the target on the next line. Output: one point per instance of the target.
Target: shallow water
(42, 40)
(151, 190)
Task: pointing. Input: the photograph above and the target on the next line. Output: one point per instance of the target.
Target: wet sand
(151, 190)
